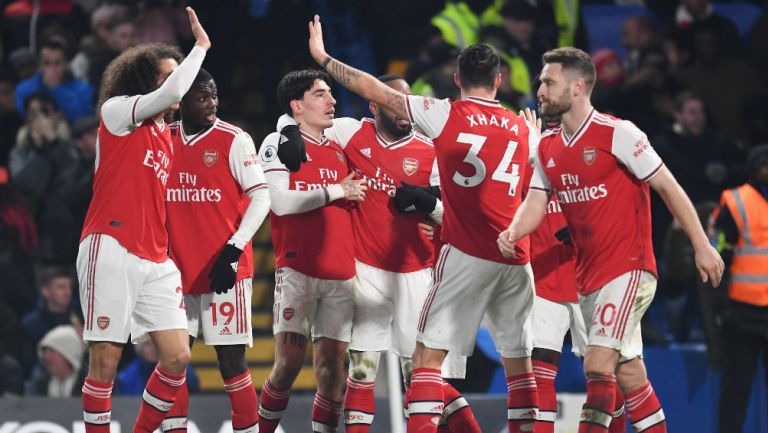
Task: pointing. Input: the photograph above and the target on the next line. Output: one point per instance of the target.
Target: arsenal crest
(102, 322)
(340, 156)
(210, 157)
(287, 313)
(410, 165)
(590, 155)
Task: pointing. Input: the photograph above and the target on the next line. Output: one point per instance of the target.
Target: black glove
(291, 149)
(564, 235)
(409, 198)
(224, 270)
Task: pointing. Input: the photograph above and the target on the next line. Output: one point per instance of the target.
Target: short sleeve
(268, 154)
(245, 165)
(534, 137)
(429, 114)
(631, 147)
(539, 180)
(342, 130)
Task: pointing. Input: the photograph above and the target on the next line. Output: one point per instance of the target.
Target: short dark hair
(53, 44)
(478, 66)
(389, 77)
(135, 71)
(683, 97)
(295, 83)
(41, 96)
(574, 61)
(49, 273)
(202, 78)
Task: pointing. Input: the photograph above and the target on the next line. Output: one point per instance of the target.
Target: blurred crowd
(694, 80)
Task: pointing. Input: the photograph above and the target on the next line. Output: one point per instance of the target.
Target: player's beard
(555, 107)
(390, 126)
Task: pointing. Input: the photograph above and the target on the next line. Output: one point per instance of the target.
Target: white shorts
(551, 320)
(225, 318)
(612, 314)
(465, 288)
(311, 306)
(387, 307)
(119, 290)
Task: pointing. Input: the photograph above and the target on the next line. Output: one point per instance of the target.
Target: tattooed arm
(362, 83)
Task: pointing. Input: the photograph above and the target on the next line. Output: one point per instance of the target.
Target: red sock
(97, 405)
(545, 384)
(619, 422)
(425, 400)
(522, 403)
(176, 418)
(597, 412)
(457, 413)
(359, 406)
(325, 414)
(273, 404)
(645, 412)
(158, 399)
(245, 405)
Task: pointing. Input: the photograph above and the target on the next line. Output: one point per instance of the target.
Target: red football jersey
(552, 261)
(379, 228)
(319, 242)
(129, 189)
(482, 154)
(599, 176)
(206, 198)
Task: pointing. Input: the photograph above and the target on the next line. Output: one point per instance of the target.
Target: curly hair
(135, 71)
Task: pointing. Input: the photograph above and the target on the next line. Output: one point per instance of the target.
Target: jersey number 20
(505, 172)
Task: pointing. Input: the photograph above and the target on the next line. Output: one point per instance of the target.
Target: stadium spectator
(55, 307)
(162, 21)
(113, 30)
(132, 379)
(433, 72)
(712, 64)
(73, 96)
(638, 35)
(607, 95)
(59, 372)
(50, 172)
(11, 379)
(23, 63)
(693, 13)
(739, 229)
(18, 241)
(24, 21)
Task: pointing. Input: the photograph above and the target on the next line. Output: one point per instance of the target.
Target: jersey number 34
(505, 172)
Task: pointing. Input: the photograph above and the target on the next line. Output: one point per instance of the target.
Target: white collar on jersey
(191, 140)
(323, 141)
(483, 101)
(569, 142)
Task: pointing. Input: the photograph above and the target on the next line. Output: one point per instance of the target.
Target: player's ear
(374, 109)
(296, 106)
(497, 81)
(457, 80)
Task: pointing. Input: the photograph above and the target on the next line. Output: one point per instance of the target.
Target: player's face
(165, 68)
(316, 107)
(555, 91)
(200, 104)
(393, 124)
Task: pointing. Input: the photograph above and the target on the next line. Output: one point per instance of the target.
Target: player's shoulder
(268, 148)
(617, 124)
(418, 136)
(227, 128)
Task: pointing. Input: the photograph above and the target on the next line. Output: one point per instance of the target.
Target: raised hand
(532, 119)
(316, 46)
(201, 37)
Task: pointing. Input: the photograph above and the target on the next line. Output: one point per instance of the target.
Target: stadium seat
(744, 15)
(602, 24)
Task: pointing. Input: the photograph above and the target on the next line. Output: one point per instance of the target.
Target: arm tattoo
(326, 61)
(342, 73)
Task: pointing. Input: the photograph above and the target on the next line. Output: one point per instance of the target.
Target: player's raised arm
(362, 83)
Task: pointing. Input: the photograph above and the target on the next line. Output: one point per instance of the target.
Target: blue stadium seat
(743, 15)
(602, 24)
